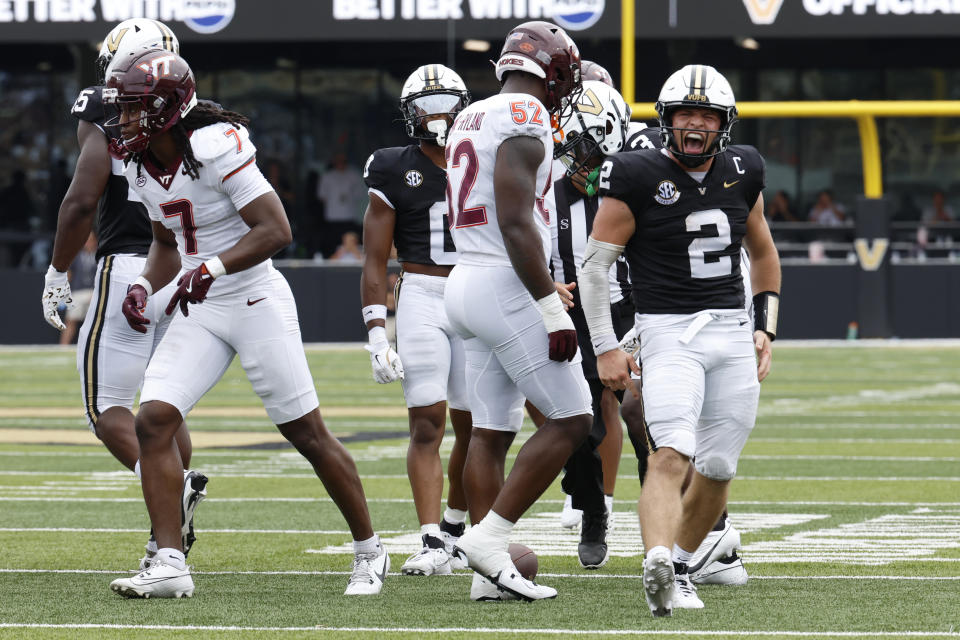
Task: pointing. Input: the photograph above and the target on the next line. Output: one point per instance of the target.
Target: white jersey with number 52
(472, 147)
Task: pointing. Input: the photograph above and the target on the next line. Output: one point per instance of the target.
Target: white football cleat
(429, 560)
(159, 580)
(369, 572)
(685, 593)
(717, 544)
(450, 533)
(194, 491)
(659, 581)
(510, 580)
(728, 570)
(482, 590)
(570, 517)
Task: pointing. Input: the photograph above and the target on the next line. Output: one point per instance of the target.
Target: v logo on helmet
(159, 66)
(590, 103)
(763, 11)
(113, 40)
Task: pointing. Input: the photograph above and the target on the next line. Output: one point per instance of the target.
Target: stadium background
(322, 78)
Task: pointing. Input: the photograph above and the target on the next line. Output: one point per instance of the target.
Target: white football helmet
(696, 85)
(597, 128)
(133, 34)
(432, 90)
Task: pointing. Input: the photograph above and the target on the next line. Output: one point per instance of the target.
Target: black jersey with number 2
(685, 254)
(415, 188)
(122, 225)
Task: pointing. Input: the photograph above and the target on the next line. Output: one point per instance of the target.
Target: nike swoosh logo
(383, 574)
(727, 185)
(189, 288)
(250, 302)
(743, 322)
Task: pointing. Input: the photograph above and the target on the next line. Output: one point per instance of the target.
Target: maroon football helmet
(160, 82)
(592, 71)
(546, 51)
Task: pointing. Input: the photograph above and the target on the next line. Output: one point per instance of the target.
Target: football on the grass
(524, 559)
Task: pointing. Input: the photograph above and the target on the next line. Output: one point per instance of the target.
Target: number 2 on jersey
(183, 209)
(461, 217)
(700, 247)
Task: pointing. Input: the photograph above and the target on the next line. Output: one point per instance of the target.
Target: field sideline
(847, 496)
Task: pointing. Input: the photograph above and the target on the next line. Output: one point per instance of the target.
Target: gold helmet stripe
(167, 36)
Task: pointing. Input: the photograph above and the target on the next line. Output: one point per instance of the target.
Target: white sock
(136, 468)
(496, 526)
(455, 516)
(370, 545)
(679, 555)
(430, 530)
(608, 501)
(152, 546)
(172, 557)
(659, 546)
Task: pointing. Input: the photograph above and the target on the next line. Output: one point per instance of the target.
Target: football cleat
(432, 559)
(570, 517)
(159, 580)
(717, 544)
(488, 556)
(685, 593)
(369, 572)
(593, 552)
(194, 491)
(510, 580)
(450, 533)
(659, 581)
(728, 570)
(482, 590)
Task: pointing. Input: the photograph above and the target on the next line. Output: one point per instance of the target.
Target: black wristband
(766, 313)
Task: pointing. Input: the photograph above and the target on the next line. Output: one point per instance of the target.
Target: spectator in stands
(82, 273)
(16, 210)
(341, 189)
(349, 250)
(779, 208)
(827, 212)
(938, 211)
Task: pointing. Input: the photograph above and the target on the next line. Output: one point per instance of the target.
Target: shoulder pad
(221, 139)
(89, 104)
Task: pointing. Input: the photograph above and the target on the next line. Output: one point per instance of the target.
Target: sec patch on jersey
(413, 178)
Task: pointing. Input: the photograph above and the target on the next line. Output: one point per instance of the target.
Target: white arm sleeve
(595, 293)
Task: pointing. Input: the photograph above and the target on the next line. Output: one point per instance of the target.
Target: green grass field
(848, 498)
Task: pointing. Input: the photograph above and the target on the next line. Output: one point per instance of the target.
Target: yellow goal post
(865, 112)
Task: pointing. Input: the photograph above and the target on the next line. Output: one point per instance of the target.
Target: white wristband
(215, 267)
(374, 312)
(143, 282)
(554, 316)
(377, 335)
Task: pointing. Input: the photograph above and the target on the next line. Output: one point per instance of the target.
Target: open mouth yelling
(694, 143)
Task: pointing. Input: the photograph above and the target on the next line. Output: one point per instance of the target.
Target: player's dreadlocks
(203, 114)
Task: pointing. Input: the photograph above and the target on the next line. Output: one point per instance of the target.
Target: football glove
(385, 361)
(630, 342)
(56, 289)
(560, 329)
(192, 288)
(133, 305)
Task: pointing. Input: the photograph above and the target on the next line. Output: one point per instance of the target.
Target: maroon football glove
(563, 345)
(133, 305)
(192, 288)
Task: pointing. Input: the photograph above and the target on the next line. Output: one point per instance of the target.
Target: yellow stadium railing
(865, 112)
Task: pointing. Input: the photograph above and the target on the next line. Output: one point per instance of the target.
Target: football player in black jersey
(682, 214)
(408, 208)
(112, 357)
(597, 129)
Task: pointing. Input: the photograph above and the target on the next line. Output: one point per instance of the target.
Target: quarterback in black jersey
(682, 214)
(408, 209)
(111, 357)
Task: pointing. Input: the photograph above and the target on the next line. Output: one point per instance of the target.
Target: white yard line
(495, 631)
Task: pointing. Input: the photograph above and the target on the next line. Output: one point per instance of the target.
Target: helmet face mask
(154, 88)
(431, 98)
(696, 86)
(131, 35)
(597, 128)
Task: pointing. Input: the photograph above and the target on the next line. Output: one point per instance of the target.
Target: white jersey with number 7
(471, 151)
